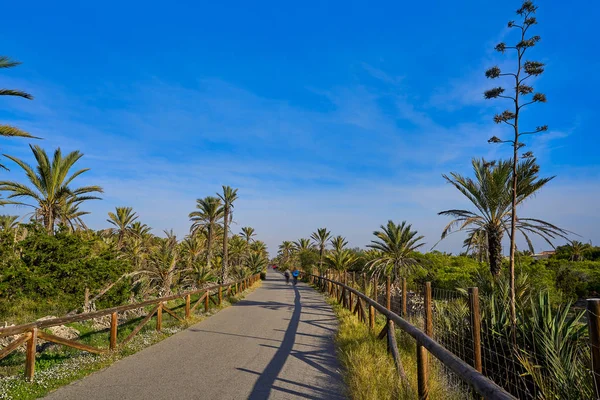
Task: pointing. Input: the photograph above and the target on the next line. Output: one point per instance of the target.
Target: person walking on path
(287, 276)
(295, 274)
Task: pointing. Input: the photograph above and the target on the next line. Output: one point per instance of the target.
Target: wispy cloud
(375, 154)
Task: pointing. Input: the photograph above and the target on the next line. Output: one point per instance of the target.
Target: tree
(50, 182)
(303, 244)
(8, 130)
(163, 265)
(341, 259)
(338, 243)
(248, 234)
(209, 213)
(193, 246)
(524, 70)
(477, 242)
(320, 237)
(578, 250)
(139, 230)
(122, 220)
(490, 193)
(285, 251)
(228, 196)
(395, 244)
(70, 215)
(256, 263)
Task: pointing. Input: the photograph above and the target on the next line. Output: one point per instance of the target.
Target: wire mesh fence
(524, 363)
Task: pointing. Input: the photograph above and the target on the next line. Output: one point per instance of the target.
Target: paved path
(275, 344)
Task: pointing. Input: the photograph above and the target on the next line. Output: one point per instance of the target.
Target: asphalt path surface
(277, 343)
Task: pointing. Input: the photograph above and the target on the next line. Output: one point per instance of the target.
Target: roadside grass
(369, 371)
(61, 365)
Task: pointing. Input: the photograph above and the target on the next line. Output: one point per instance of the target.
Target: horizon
(342, 115)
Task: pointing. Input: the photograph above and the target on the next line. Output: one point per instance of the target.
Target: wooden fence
(31, 332)
(358, 303)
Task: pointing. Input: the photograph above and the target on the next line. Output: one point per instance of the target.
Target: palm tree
(247, 234)
(490, 193)
(303, 244)
(477, 242)
(8, 130)
(209, 213)
(122, 220)
(228, 196)
(338, 243)
(258, 247)
(238, 250)
(395, 245)
(139, 230)
(70, 215)
(285, 250)
(193, 247)
(578, 250)
(256, 263)
(341, 259)
(320, 237)
(50, 189)
(162, 267)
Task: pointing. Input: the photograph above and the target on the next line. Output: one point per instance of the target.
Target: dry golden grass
(369, 371)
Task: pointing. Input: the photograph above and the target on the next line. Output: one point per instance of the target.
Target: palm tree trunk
(494, 234)
(49, 222)
(225, 252)
(209, 247)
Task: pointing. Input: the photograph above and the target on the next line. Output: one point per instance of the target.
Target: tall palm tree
(228, 196)
(248, 234)
(490, 193)
(50, 182)
(209, 213)
(338, 243)
(320, 237)
(341, 259)
(9, 130)
(122, 220)
(395, 244)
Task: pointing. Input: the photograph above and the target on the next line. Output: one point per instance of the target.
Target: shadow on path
(263, 386)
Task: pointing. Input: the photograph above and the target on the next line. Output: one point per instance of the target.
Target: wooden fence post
(422, 357)
(206, 299)
(404, 299)
(593, 316)
(114, 323)
(475, 327)
(31, 349)
(366, 292)
(371, 308)
(188, 300)
(159, 317)
(220, 294)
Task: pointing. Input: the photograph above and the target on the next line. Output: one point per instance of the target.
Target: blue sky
(337, 114)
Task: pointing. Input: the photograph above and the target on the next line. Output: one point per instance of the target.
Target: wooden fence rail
(31, 332)
(346, 295)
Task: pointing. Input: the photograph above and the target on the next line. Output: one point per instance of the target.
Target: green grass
(62, 365)
(369, 371)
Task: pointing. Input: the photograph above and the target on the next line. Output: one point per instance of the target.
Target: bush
(51, 273)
